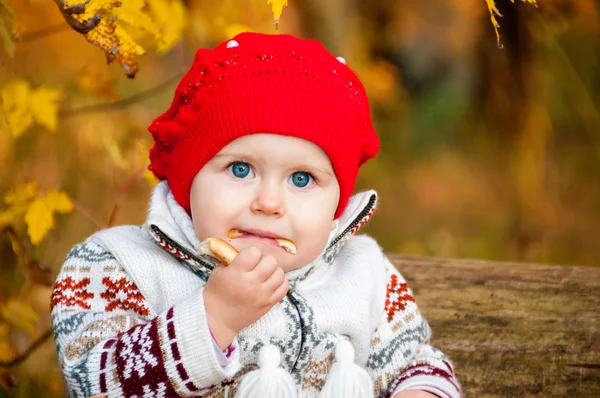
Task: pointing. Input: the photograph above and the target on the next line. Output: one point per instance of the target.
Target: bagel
(219, 249)
(287, 245)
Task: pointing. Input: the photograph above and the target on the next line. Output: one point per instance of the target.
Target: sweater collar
(172, 228)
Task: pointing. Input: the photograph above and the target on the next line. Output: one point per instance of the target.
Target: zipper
(153, 228)
(356, 221)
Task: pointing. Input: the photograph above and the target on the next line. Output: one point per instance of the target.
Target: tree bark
(512, 329)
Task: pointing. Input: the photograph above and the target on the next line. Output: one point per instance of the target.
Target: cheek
(314, 232)
(211, 208)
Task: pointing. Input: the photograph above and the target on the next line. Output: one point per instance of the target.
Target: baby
(261, 145)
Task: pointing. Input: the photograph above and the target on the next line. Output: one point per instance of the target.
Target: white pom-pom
(341, 59)
(269, 380)
(346, 379)
(232, 43)
(269, 357)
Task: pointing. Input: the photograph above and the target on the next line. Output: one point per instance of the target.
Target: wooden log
(512, 329)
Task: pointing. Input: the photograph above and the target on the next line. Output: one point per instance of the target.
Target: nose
(268, 200)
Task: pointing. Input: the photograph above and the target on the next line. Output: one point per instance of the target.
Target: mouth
(267, 237)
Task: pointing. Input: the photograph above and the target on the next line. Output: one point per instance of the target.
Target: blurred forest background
(490, 150)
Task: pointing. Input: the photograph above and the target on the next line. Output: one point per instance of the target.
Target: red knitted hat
(258, 83)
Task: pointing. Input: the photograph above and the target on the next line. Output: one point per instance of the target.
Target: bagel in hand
(287, 245)
(219, 249)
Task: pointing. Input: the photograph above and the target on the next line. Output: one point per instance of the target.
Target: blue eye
(301, 179)
(239, 169)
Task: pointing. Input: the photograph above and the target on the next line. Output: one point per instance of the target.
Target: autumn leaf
(40, 213)
(22, 193)
(171, 19)
(24, 105)
(495, 13)
(6, 349)
(15, 103)
(114, 26)
(7, 29)
(44, 107)
(20, 315)
(38, 208)
(277, 7)
(18, 200)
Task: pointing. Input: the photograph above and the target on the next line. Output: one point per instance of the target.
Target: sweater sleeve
(110, 342)
(401, 357)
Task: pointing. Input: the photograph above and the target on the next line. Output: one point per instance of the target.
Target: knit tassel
(347, 379)
(269, 380)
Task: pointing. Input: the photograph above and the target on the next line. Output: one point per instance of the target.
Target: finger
(281, 290)
(247, 260)
(265, 268)
(220, 267)
(274, 281)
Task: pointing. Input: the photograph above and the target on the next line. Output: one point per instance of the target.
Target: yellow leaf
(44, 107)
(7, 18)
(22, 193)
(22, 106)
(39, 220)
(135, 13)
(15, 103)
(495, 13)
(277, 7)
(11, 215)
(20, 315)
(118, 21)
(58, 201)
(40, 213)
(18, 199)
(171, 19)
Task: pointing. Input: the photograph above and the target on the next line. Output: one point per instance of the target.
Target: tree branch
(25, 354)
(39, 34)
(36, 271)
(117, 105)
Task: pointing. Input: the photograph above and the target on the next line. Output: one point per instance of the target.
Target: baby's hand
(238, 295)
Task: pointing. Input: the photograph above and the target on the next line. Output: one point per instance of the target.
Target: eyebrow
(300, 166)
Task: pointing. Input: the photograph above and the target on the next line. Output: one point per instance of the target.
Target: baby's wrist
(221, 333)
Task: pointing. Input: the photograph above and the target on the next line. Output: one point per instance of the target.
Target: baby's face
(271, 185)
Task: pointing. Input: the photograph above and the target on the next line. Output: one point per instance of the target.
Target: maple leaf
(17, 199)
(171, 19)
(115, 26)
(23, 105)
(495, 13)
(40, 213)
(38, 208)
(22, 193)
(277, 7)
(7, 27)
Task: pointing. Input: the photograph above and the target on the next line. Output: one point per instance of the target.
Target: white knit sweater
(129, 317)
